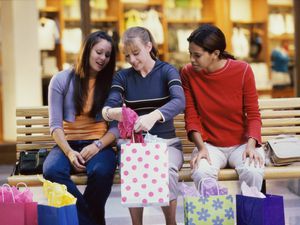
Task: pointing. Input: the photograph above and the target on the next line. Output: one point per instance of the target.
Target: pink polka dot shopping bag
(144, 174)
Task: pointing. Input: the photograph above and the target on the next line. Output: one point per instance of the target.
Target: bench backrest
(279, 116)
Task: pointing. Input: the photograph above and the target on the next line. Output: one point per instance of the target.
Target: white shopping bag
(144, 174)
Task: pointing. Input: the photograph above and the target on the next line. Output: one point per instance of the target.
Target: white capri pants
(222, 157)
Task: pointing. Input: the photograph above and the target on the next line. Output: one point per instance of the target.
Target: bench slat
(279, 114)
(33, 130)
(32, 111)
(267, 138)
(271, 173)
(281, 122)
(279, 103)
(33, 121)
(47, 145)
(280, 130)
(31, 138)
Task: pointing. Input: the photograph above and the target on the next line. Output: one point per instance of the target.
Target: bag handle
(22, 183)
(203, 180)
(10, 190)
(132, 136)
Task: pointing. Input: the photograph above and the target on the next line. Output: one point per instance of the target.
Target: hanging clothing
(72, 40)
(48, 34)
(276, 24)
(153, 24)
(240, 43)
(280, 70)
(133, 19)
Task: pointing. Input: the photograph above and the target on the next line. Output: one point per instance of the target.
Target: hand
(89, 151)
(146, 122)
(112, 113)
(253, 155)
(203, 154)
(76, 160)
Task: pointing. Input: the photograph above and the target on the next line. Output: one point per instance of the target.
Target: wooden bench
(279, 116)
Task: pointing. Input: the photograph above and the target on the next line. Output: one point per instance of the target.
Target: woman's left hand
(89, 151)
(253, 156)
(146, 122)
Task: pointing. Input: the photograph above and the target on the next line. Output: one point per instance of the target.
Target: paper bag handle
(132, 136)
(9, 188)
(21, 183)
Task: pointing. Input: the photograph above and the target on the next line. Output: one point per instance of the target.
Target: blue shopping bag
(260, 211)
(50, 215)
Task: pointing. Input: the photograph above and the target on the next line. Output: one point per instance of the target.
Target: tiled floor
(117, 214)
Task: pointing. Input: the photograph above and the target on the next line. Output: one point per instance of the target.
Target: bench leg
(264, 187)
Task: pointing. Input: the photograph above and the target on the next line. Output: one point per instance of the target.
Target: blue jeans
(100, 172)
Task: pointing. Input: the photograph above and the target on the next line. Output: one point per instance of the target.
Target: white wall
(21, 79)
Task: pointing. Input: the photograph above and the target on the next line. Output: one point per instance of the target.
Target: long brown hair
(103, 78)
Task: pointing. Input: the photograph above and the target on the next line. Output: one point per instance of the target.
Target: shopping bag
(12, 213)
(50, 215)
(56, 193)
(61, 208)
(19, 209)
(208, 208)
(144, 174)
(260, 211)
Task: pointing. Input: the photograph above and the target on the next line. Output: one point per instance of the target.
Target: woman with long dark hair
(83, 138)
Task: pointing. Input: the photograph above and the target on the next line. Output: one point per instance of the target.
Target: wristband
(106, 114)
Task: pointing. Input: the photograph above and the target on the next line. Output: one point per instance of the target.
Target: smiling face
(137, 54)
(99, 56)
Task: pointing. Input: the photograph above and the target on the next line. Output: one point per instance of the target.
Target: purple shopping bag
(260, 211)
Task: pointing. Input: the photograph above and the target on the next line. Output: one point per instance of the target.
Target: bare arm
(75, 158)
(203, 152)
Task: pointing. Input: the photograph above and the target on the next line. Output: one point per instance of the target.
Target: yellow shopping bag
(57, 194)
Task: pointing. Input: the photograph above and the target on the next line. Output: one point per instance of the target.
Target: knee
(51, 173)
(101, 172)
(204, 170)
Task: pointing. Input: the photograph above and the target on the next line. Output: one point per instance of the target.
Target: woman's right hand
(202, 154)
(76, 160)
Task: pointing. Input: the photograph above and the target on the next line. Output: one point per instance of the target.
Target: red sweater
(222, 106)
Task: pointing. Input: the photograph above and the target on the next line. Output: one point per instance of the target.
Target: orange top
(85, 127)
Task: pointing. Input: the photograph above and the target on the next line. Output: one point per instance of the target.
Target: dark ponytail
(210, 38)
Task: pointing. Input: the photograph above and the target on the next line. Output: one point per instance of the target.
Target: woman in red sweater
(222, 115)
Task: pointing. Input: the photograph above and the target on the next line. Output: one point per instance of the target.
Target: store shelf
(49, 9)
(212, 11)
(281, 6)
(289, 37)
(189, 21)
